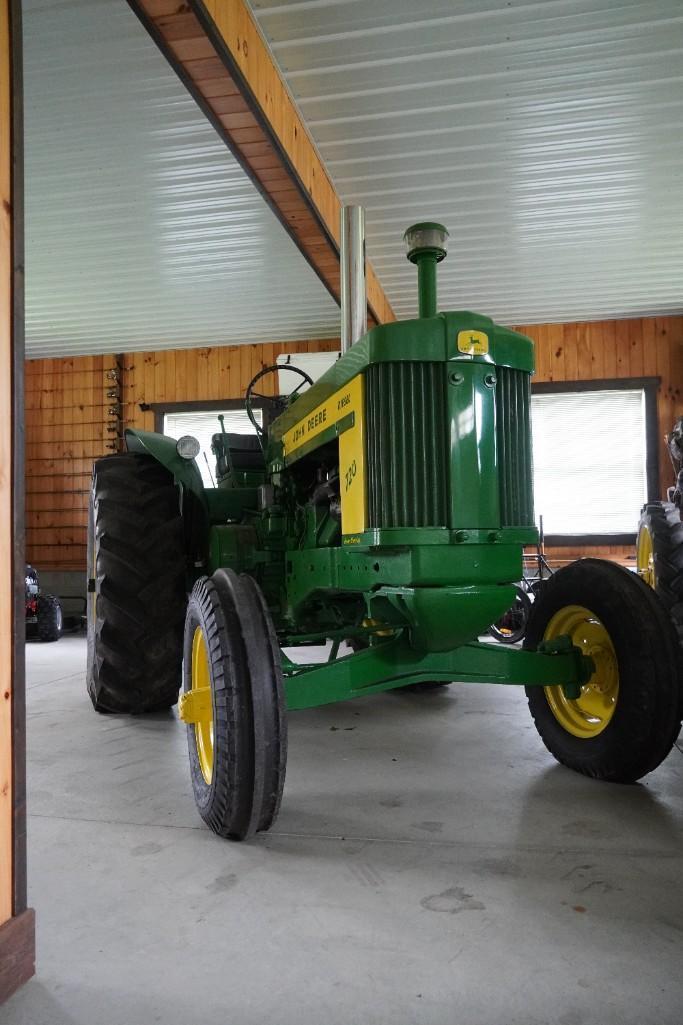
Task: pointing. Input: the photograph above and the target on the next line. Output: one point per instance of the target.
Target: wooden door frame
(17, 932)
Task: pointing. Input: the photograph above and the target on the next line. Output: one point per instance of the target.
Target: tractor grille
(513, 435)
(407, 454)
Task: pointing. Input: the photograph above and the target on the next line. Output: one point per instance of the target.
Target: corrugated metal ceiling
(546, 135)
(141, 229)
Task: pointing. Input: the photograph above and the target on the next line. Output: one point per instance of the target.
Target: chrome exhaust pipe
(354, 308)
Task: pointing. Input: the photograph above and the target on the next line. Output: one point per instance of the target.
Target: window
(202, 424)
(315, 364)
(591, 467)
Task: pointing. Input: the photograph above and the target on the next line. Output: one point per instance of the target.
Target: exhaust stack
(354, 319)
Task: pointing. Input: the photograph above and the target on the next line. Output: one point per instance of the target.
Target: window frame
(160, 409)
(650, 387)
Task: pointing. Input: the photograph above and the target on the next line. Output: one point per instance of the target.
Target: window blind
(589, 460)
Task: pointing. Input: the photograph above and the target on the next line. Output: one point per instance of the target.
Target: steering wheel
(276, 404)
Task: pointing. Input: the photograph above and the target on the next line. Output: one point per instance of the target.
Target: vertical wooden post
(6, 560)
(17, 943)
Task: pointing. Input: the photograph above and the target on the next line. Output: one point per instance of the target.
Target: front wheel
(626, 718)
(233, 705)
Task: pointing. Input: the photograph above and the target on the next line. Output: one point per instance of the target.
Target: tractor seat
(245, 450)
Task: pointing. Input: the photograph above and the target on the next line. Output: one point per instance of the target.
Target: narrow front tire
(233, 705)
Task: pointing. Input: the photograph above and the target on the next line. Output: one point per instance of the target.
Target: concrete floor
(431, 864)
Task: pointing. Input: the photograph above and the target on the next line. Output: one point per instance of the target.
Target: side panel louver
(513, 435)
(407, 437)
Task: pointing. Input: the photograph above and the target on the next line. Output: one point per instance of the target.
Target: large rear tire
(627, 716)
(136, 586)
(234, 706)
(659, 556)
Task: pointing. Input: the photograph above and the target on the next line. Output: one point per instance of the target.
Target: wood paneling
(6, 463)
(71, 420)
(217, 49)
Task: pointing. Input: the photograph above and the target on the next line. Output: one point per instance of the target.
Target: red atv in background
(44, 620)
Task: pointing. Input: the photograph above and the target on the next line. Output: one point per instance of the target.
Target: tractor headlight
(187, 447)
(427, 236)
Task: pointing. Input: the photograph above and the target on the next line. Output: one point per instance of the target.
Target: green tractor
(381, 512)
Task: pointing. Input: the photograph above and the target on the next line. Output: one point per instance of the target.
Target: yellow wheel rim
(590, 713)
(645, 556)
(203, 730)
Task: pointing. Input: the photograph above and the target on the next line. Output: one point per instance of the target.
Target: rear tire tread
(135, 634)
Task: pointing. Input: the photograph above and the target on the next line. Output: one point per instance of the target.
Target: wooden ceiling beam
(218, 52)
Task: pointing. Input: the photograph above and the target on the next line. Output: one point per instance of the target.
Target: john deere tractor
(381, 512)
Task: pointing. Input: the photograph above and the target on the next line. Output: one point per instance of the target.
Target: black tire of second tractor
(647, 717)
(136, 586)
(663, 520)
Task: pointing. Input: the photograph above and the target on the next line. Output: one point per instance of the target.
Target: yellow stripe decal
(349, 399)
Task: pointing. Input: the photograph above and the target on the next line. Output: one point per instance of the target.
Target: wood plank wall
(60, 459)
(68, 426)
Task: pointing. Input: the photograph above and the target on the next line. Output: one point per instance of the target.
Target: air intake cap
(426, 239)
